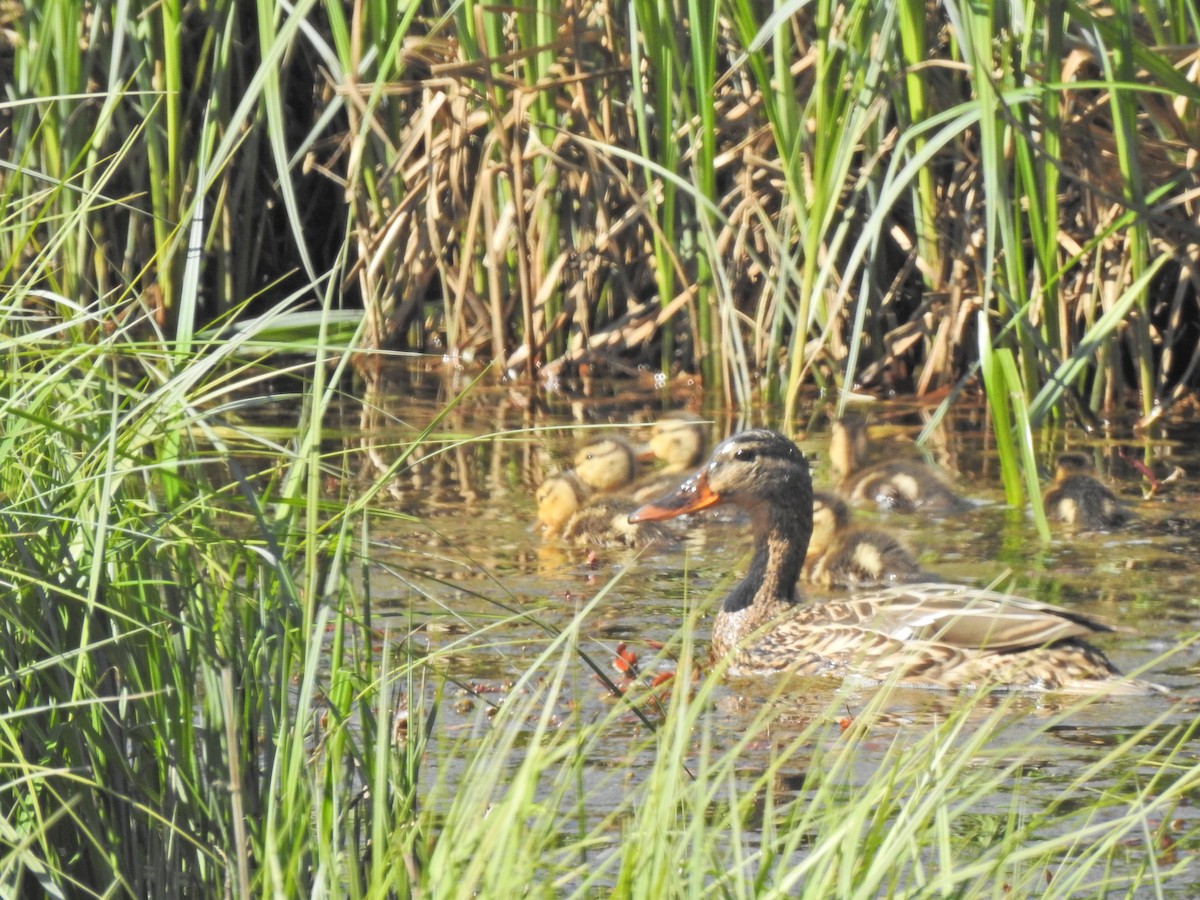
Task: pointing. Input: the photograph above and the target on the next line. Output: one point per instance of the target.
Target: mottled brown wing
(836, 650)
(958, 617)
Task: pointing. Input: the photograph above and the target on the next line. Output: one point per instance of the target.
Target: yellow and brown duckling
(841, 554)
(606, 464)
(926, 635)
(902, 485)
(1077, 498)
(679, 442)
(564, 511)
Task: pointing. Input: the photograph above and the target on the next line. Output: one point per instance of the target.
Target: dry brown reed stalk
(537, 239)
(487, 209)
(507, 203)
(1096, 201)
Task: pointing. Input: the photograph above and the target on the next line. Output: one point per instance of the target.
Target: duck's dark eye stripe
(751, 446)
(789, 453)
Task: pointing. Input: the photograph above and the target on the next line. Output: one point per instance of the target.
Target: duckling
(606, 464)
(923, 635)
(679, 442)
(1077, 498)
(841, 555)
(903, 485)
(601, 522)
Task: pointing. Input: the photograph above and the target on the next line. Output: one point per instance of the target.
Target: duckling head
(830, 516)
(1069, 464)
(607, 464)
(558, 498)
(847, 446)
(678, 442)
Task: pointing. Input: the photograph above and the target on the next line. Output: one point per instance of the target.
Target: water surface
(472, 561)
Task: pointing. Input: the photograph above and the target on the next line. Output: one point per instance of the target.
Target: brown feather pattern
(902, 485)
(925, 635)
(1077, 498)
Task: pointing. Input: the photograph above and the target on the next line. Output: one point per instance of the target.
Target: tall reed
(500, 197)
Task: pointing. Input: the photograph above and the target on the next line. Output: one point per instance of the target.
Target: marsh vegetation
(245, 649)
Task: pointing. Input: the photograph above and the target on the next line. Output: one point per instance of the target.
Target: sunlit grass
(203, 704)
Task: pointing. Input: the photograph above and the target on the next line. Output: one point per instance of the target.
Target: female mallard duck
(606, 464)
(563, 511)
(903, 485)
(928, 635)
(843, 555)
(1077, 498)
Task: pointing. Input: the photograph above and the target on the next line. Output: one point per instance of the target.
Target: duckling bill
(921, 635)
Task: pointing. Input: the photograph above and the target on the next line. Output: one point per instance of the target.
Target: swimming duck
(1077, 498)
(564, 511)
(926, 635)
(844, 555)
(902, 485)
(606, 464)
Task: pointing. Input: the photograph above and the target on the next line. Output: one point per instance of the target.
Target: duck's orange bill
(691, 496)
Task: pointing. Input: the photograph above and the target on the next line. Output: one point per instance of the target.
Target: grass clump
(201, 699)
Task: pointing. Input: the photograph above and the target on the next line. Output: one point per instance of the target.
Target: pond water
(472, 560)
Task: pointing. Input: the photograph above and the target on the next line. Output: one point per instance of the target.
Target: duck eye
(745, 454)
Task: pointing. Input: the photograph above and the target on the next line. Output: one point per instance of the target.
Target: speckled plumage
(564, 511)
(901, 485)
(1077, 498)
(925, 635)
(841, 554)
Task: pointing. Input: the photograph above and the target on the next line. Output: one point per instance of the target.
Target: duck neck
(781, 540)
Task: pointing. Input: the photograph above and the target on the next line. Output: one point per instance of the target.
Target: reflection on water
(473, 562)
